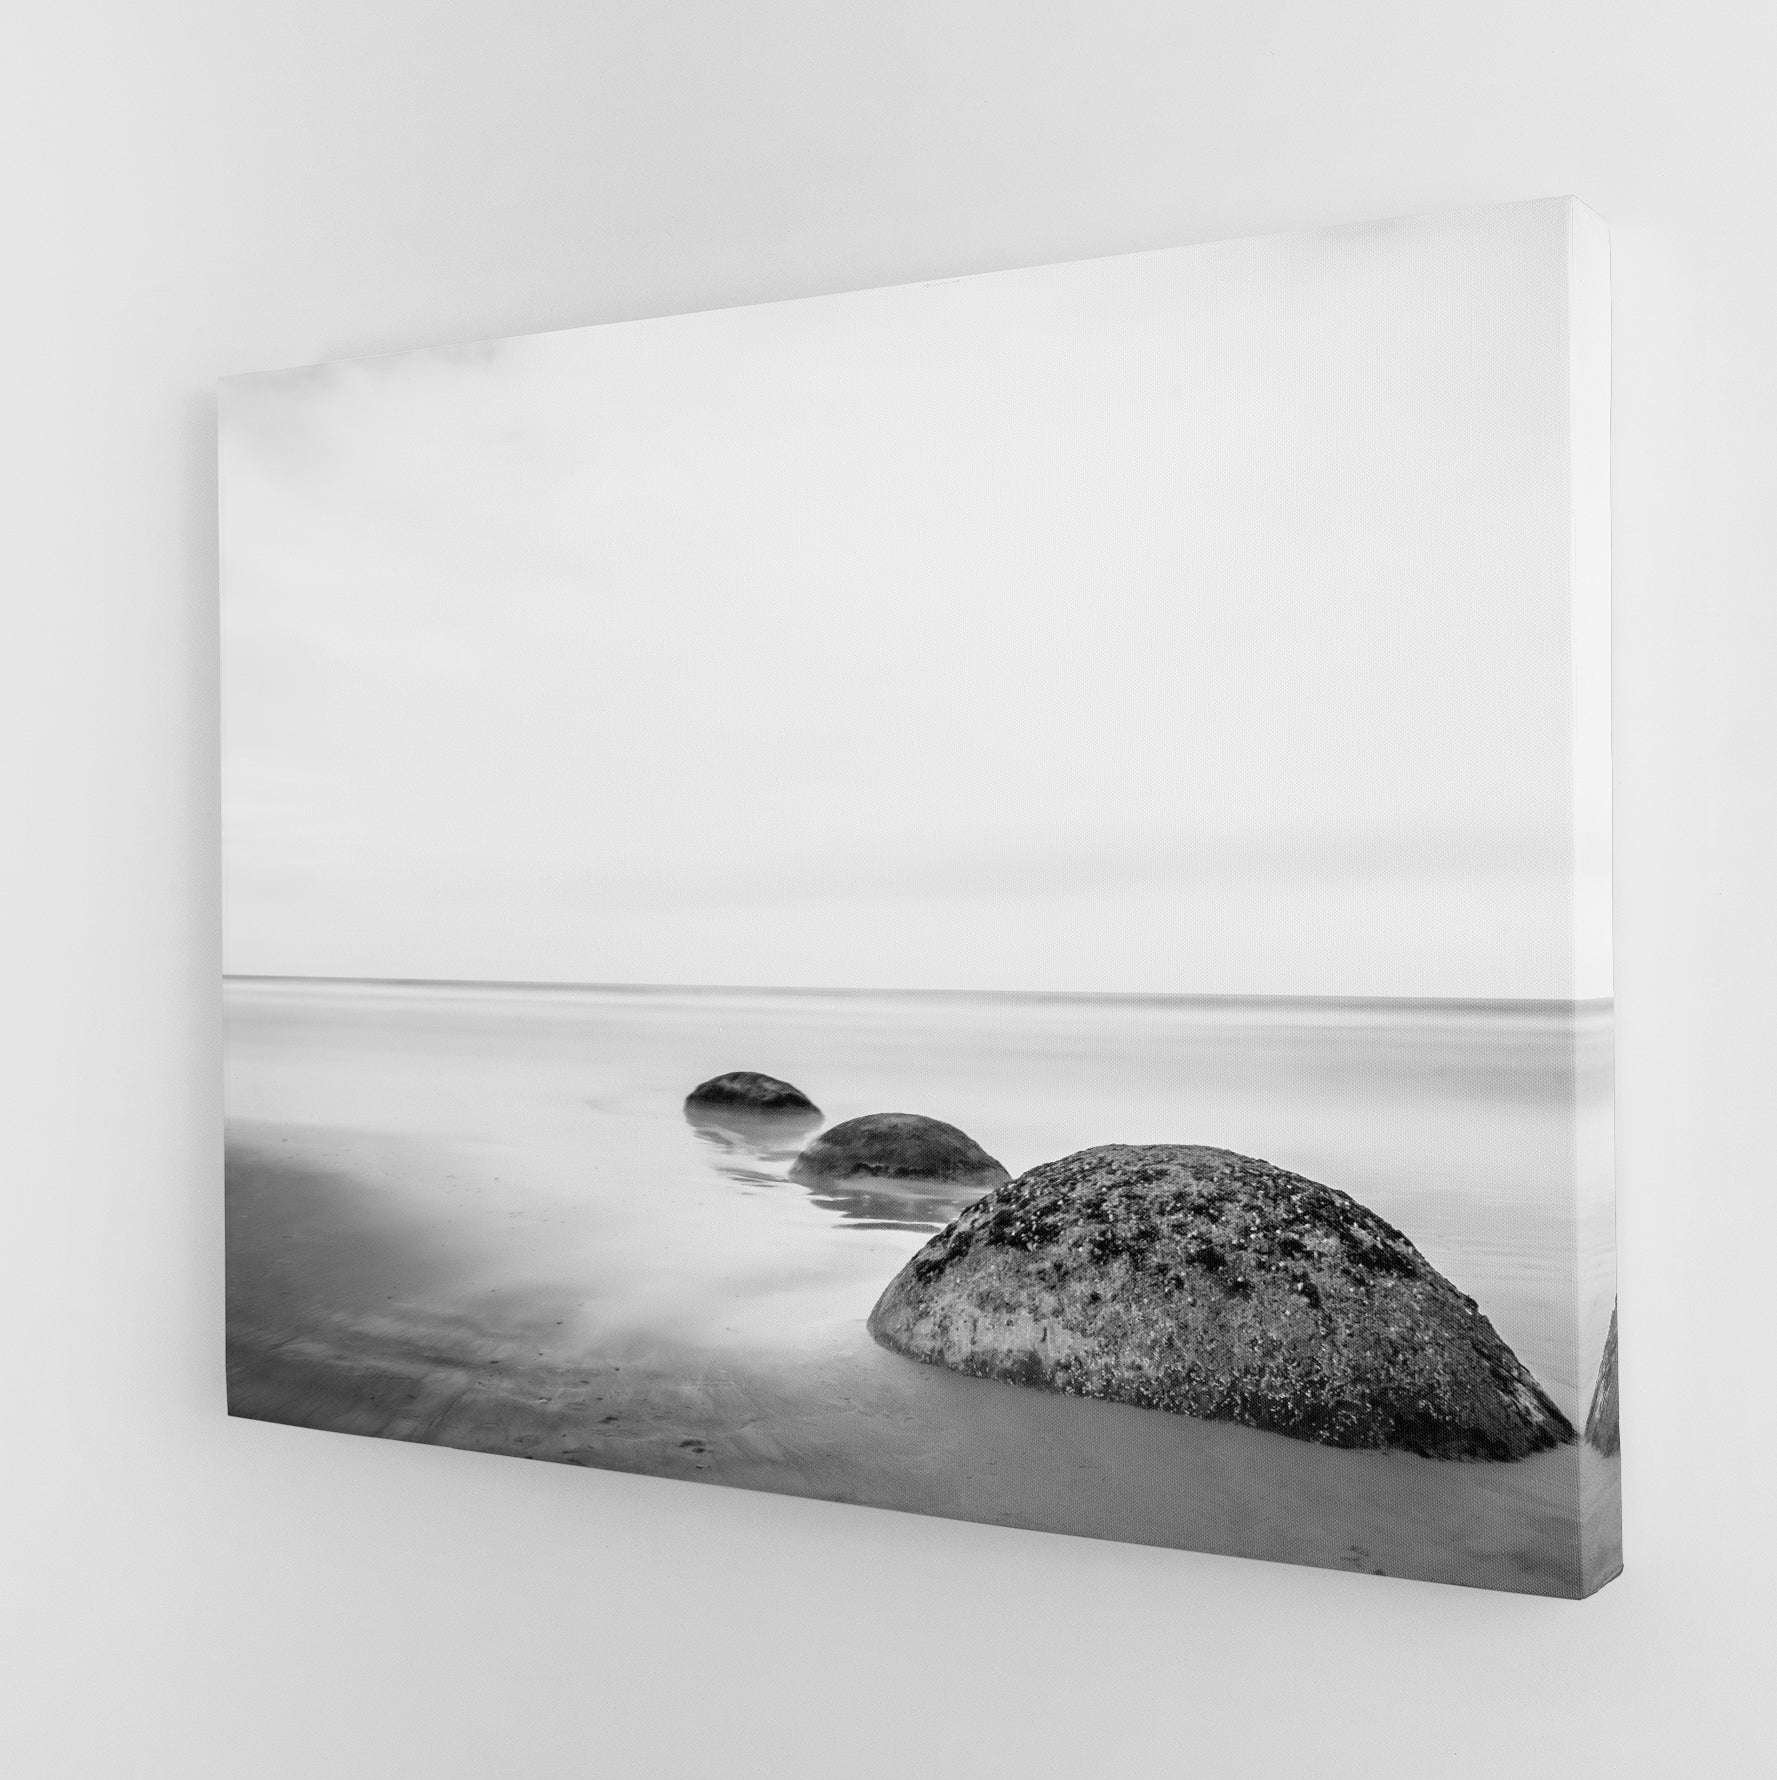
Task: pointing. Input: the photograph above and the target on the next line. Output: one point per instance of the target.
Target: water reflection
(874, 1202)
(464, 1218)
(757, 1148)
(754, 1148)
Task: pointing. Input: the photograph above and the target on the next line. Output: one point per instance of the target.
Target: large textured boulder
(899, 1146)
(745, 1090)
(1210, 1284)
(1602, 1430)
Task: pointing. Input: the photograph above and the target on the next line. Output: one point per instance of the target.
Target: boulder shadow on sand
(1214, 1285)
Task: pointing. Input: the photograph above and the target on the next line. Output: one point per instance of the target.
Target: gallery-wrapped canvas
(989, 898)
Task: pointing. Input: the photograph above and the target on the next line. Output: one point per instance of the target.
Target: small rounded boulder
(899, 1146)
(746, 1091)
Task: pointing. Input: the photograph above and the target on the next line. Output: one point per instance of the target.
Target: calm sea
(477, 1216)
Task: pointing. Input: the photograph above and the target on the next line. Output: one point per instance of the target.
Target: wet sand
(489, 1226)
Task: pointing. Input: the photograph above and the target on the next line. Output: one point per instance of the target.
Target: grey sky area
(1197, 621)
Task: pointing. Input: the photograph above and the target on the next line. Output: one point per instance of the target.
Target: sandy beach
(479, 1218)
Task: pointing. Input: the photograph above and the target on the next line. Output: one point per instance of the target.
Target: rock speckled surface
(1211, 1284)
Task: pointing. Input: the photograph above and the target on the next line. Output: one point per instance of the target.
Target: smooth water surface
(478, 1216)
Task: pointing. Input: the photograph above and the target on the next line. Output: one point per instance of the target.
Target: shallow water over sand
(479, 1217)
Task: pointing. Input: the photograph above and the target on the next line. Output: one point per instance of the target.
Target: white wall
(199, 187)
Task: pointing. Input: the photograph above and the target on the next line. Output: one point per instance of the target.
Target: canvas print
(988, 898)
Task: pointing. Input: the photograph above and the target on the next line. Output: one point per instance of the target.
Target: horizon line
(1519, 1004)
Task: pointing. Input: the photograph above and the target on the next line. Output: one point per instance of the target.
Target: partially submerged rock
(745, 1090)
(754, 1123)
(1602, 1430)
(1214, 1285)
(899, 1146)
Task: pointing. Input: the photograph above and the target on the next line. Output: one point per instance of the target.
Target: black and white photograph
(988, 897)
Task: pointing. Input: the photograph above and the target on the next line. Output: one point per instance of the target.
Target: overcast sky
(1195, 621)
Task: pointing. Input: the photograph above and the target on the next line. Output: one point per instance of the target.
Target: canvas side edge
(1589, 379)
